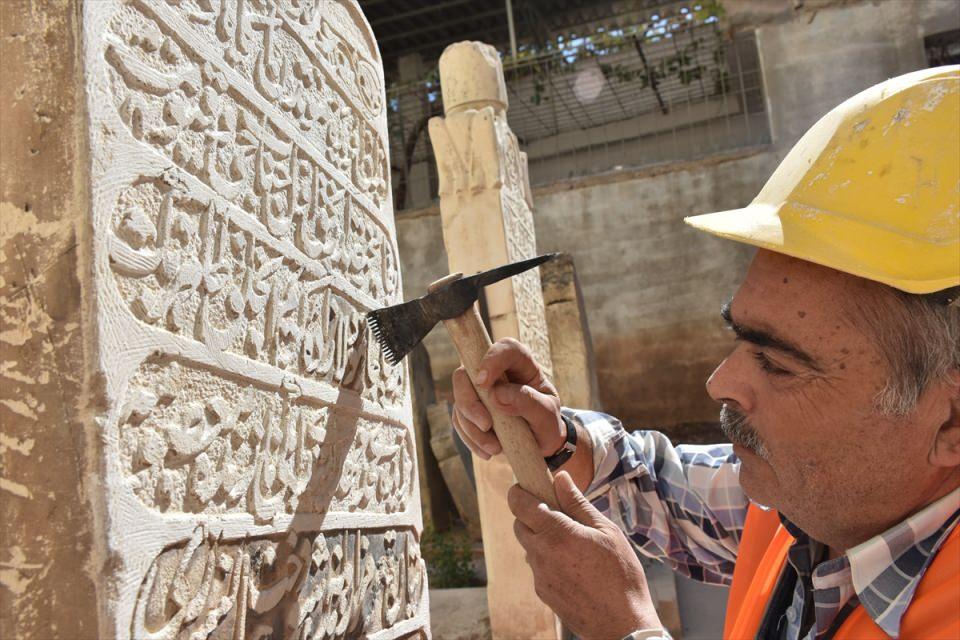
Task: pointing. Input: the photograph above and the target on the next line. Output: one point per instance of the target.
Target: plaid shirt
(684, 505)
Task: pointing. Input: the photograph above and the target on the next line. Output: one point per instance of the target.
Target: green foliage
(621, 73)
(448, 559)
(562, 54)
(709, 9)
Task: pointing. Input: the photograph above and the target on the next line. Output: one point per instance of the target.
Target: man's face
(799, 395)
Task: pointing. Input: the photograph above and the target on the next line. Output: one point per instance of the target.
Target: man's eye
(768, 366)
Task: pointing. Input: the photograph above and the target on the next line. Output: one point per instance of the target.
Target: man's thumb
(573, 503)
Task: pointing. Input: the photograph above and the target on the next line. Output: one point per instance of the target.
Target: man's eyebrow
(763, 338)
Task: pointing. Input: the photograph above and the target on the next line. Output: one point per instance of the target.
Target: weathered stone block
(437, 504)
(199, 439)
(571, 348)
(452, 467)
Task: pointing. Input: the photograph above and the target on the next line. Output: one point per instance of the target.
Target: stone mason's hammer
(453, 300)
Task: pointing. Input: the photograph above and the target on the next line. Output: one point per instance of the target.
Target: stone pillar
(485, 206)
(198, 438)
(414, 110)
(571, 348)
(435, 500)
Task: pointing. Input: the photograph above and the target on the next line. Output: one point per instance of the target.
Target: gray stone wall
(652, 286)
(817, 58)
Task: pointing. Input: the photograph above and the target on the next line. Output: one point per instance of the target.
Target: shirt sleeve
(679, 504)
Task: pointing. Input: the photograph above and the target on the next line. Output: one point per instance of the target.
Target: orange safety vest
(933, 614)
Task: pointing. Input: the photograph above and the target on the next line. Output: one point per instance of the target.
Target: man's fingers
(541, 411)
(510, 357)
(530, 511)
(468, 402)
(467, 440)
(574, 504)
(486, 440)
(525, 536)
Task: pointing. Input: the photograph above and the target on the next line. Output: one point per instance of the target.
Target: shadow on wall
(655, 378)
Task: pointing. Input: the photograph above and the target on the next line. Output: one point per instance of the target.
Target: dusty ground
(459, 614)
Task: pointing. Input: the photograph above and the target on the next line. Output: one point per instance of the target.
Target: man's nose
(729, 382)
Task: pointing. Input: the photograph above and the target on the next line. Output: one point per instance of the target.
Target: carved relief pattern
(522, 244)
(239, 146)
(191, 443)
(475, 151)
(527, 294)
(335, 584)
(466, 153)
(182, 264)
(314, 221)
(265, 90)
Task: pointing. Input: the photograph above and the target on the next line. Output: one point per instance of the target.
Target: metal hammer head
(401, 327)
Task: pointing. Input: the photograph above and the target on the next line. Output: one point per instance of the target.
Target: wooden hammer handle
(472, 342)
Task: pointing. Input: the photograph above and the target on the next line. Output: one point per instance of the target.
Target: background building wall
(816, 60)
(652, 286)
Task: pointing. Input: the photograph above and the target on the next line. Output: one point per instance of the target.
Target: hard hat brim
(836, 241)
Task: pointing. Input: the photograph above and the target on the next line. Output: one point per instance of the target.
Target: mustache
(739, 431)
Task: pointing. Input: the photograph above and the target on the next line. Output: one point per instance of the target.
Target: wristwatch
(566, 451)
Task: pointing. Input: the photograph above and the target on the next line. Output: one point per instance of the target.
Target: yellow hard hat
(872, 189)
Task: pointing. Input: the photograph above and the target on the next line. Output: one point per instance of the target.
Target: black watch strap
(565, 452)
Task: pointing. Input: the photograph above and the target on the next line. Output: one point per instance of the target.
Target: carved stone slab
(485, 198)
(250, 454)
(485, 207)
(574, 369)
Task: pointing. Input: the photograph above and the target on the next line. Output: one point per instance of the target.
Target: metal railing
(674, 87)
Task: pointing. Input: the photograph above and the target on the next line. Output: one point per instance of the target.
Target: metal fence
(672, 87)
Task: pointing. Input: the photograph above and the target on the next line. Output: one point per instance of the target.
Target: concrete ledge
(610, 177)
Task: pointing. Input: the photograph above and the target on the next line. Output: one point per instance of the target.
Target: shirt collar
(886, 569)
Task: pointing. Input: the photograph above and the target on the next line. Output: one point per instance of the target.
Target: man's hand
(526, 393)
(584, 568)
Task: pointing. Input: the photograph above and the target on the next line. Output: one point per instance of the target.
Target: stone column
(485, 206)
(574, 369)
(198, 438)
(435, 500)
(414, 111)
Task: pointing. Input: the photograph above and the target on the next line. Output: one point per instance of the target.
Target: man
(841, 400)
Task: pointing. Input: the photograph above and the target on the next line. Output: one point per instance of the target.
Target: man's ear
(946, 444)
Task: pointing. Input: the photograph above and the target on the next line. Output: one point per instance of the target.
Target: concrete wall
(652, 286)
(815, 60)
